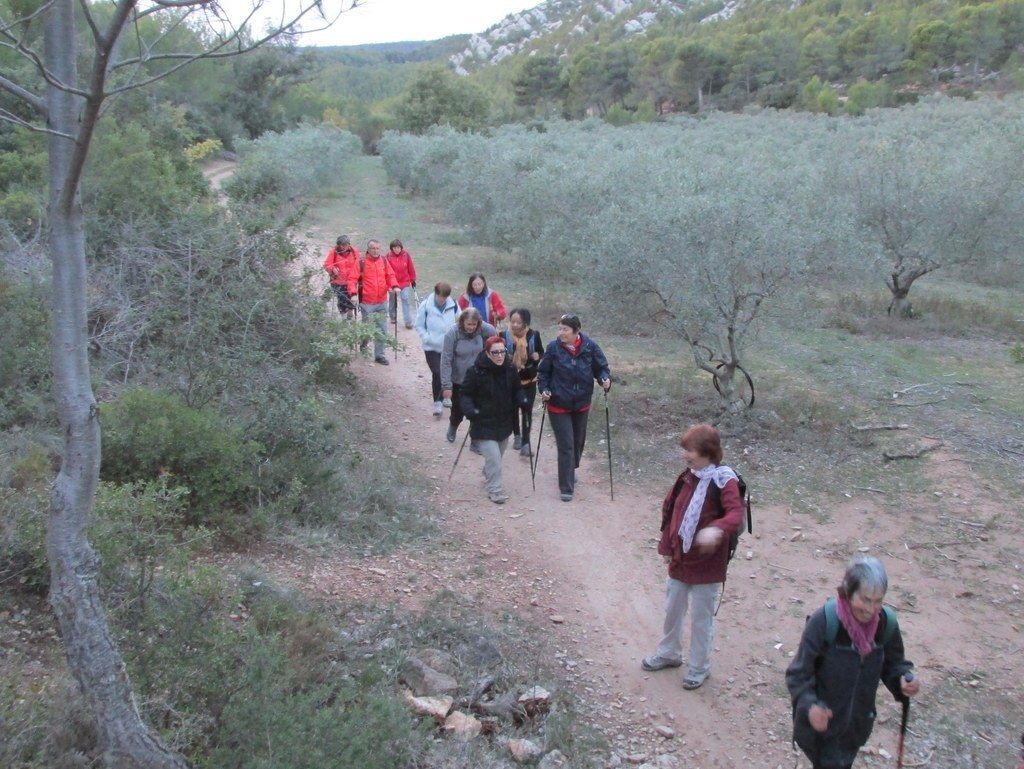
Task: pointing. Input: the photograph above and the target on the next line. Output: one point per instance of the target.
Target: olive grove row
(695, 225)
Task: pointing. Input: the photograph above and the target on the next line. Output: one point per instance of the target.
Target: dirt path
(587, 571)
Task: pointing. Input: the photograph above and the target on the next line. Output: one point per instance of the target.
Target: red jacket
(344, 269)
(405, 270)
(495, 309)
(378, 277)
(697, 567)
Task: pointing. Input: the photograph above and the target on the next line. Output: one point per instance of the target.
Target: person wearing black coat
(525, 349)
(565, 378)
(490, 397)
(832, 683)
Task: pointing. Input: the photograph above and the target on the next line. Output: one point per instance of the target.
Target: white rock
(436, 707)
(524, 751)
(463, 726)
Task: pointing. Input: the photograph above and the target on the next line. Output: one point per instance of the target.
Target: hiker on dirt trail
(700, 511)
(525, 350)
(565, 378)
(490, 397)
(342, 264)
(378, 282)
(405, 274)
(434, 317)
(462, 343)
(485, 301)
(832, 682)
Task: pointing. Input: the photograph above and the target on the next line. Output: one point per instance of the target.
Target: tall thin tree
(122, 49)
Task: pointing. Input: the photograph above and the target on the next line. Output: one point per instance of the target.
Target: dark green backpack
(832, 622)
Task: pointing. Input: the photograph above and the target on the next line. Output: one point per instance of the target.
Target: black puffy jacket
(489, 397)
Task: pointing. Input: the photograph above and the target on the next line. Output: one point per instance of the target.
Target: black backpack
(734, 538)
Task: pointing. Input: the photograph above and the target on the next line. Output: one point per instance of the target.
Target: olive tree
(71, 58)
(934, 186)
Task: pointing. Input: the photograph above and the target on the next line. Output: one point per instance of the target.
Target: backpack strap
(832, 622)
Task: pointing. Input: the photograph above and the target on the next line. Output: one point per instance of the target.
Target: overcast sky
(387, 21)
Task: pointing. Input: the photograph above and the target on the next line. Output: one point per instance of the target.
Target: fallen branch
(913, 454)
(975, 524)
(864, 428)
(919, 545)
(922, 403)
(908, 389)
(922, 762)
(776, 566)
(868, 488)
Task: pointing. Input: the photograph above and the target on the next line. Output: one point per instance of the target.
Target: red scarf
(863, 636)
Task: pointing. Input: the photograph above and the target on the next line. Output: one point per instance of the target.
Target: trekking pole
(535, 456)
(529, 426)
(608, 438)
(450, 474)
(905, 702)
(396, 331)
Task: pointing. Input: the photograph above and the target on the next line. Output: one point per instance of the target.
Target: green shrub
(1017, 353)
(147, 435)
(23, 520)
(268, 724)
(25, 370)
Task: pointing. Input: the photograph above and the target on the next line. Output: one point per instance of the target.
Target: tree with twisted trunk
(124, 44)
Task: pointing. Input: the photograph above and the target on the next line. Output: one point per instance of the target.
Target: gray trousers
(570, 436)
(700, 600)
(393, 305)
(492, 452)
(377, 313)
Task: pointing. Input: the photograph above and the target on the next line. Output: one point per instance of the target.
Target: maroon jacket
(698, 567)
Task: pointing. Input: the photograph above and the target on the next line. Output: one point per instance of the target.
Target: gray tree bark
(70, 107)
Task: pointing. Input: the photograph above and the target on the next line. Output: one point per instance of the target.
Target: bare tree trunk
(125, 741)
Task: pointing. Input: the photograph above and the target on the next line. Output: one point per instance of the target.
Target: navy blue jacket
(569, 378)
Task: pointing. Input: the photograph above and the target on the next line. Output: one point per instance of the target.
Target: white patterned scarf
(721, 476)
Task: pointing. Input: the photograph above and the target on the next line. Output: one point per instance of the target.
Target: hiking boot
(525, 451)
(447, 403)
(438, 408)
(408, 325)
(565, 496)
(382, 360)
(517, 442)
(498, 498)
(654, 662)
(475, 448)
(695, 680)
(451, 434)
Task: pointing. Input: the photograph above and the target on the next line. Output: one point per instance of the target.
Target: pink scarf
(863, 636)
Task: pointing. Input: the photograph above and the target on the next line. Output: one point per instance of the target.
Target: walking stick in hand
(396, 331)
(456, 463)
(535, 455)
(608, 439)
(905, 702)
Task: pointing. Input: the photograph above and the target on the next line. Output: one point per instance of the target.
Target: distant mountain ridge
(570, 19)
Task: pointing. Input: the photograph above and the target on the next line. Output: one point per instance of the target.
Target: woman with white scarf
(699, 513)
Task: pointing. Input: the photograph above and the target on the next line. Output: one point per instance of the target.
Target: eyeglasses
(496, 352)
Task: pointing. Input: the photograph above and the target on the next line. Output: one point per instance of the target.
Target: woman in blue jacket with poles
(565, 379)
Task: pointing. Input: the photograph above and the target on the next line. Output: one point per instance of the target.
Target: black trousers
(526, 413)
(570, 436)
(434, 364)
(456, 416)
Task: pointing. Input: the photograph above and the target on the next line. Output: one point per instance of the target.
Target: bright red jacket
(344, 269)
(405, 270)
(378, 278)
(495, 309)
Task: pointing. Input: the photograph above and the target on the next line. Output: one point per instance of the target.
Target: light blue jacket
(432, 322)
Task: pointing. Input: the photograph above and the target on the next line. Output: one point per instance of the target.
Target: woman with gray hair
(461, 346)
(848, 646)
